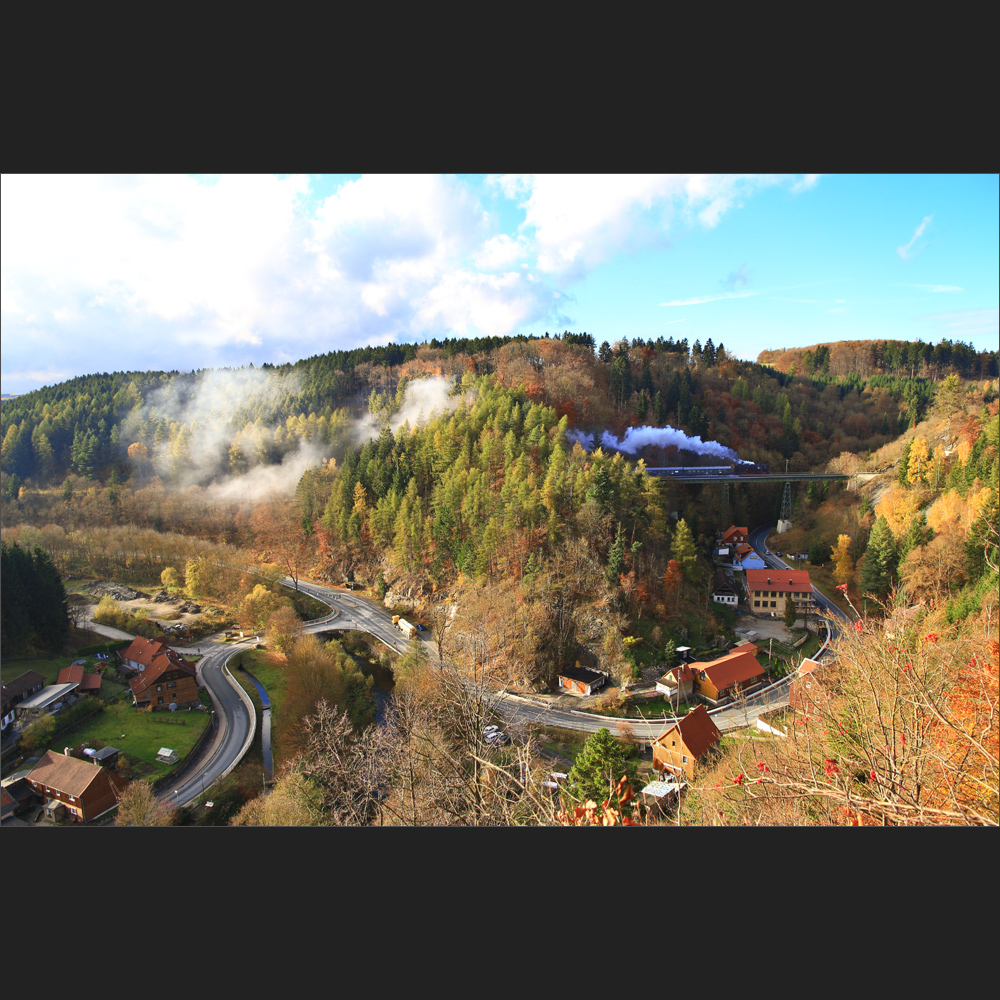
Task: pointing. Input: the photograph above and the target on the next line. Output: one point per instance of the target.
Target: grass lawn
(272, 678)
(568, 742)
(655, 708)
(145, 733)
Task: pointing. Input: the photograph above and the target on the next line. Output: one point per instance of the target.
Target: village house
(86, 683)
(579, 680)
(747, 558)
(807, 694)
(167, 681)
(724, 590)
(685, 743)
(141, 653)
(84, 790)
(48, 701)
(677, 682)
(15, 692)
(735, 536)
(768, 590)
(716, 680)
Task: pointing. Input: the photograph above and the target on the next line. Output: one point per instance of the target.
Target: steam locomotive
(733, 469)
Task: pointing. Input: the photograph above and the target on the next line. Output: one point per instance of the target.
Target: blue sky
(104, 273)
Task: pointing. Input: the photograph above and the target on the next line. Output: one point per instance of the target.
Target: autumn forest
(465, 481)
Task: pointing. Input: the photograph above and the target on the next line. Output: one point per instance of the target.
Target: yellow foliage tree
(919, 464)
(843, 564)
(948, 514)
(899, 506)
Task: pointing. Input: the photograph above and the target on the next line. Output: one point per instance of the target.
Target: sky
(102, 273)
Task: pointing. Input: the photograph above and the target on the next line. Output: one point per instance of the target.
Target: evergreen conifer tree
(881, 559)
(598, 768)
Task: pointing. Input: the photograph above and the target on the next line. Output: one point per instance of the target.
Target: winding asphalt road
(348, 611)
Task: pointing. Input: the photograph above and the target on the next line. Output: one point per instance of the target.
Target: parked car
(421, 628)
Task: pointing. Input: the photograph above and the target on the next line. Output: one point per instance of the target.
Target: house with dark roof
(16, 691)
(686, 743)
(84, 790)
(579, 680)
(724, 590)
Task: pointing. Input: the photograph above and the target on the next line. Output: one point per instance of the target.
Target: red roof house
(724, 677)
(85, 790)
(86, 683)
(686, 743)
(142, 652)
(769, 589)
(166, 681)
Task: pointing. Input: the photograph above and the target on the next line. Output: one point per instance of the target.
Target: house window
(171, 684)
(684, 759)
(159, 687)
(159, 701)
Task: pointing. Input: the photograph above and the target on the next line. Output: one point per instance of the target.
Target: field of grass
(139, 734)
(273, 679)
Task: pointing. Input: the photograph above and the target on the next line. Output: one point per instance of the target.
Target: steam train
(733, 469)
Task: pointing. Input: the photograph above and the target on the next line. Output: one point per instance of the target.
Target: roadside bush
(37, 733)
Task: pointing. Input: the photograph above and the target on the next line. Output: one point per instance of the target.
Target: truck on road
(404, 626)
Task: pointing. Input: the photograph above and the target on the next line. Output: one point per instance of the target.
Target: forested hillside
(451, 478)
(213, 425)
(885, 357)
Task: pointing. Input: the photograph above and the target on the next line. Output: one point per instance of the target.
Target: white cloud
(41, 376)
(907, 251)
(501, 252)
(581, 220)
(173, 272)
(492, 304)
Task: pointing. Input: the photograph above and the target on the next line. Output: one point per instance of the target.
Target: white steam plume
(265, 481)
(424, 398)
(658, 437)
(205, 406)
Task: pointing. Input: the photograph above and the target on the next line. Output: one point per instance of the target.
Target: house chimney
(768, 579)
